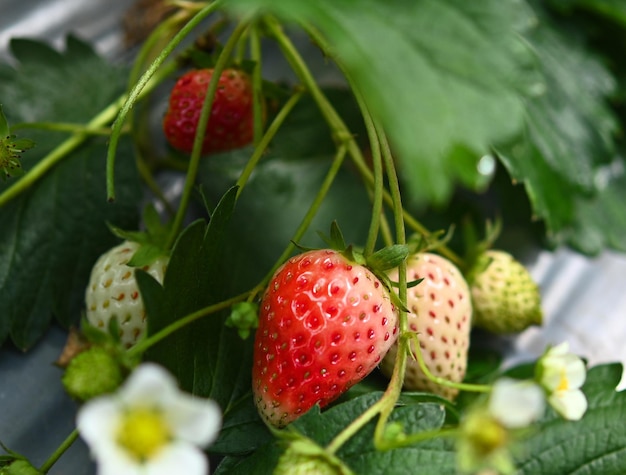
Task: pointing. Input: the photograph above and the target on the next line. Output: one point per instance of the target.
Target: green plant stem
(196, 152)
(412, 439)
(148, 179)
(134, 94)
(63, 127)
(477, 388)
(266, 139)
(152, 340)
(60, 152)
(257, 82)
(364, 170)
(307, 219)
(377, 198)
(397, 378)
(66, 444)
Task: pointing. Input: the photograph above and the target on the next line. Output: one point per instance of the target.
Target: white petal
(558, 350)
(516, 404)
(194, 420)
(179, 457)
(97, 421)
(149, 384)
(119, 466)
(571, 405)
(576, 371)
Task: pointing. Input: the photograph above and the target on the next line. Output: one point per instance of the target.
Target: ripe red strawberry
(505, 296)
(324, 324)
(230, 125)
(113, 292)
(441, 312)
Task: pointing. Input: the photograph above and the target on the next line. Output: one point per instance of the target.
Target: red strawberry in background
(231, 124)
(324, 324)
(440, 313)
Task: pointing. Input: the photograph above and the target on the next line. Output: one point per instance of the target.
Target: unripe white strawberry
(440, 313)
(506, 299)
(113, 292)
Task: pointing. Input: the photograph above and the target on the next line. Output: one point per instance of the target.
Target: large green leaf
(208, 358)
(435, 457)
(600, 221)
(52, 234)
(439, 75)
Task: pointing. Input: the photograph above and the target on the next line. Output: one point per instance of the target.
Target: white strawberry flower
(562, 374)
(488, 430)
(516, 404)
(149, 427)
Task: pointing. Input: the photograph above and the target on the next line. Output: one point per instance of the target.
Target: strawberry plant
(251, 128)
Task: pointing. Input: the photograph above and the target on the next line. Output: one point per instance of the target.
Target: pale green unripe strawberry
(506, 298)
(92, 373)
(303, 457)
(113, 292)
(440, 314)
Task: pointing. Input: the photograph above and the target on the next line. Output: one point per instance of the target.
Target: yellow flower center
(143, 432)
(563, 382)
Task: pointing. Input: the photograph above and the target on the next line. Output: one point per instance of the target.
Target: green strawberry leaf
(569, 130)
(207, 357)
(599, 221)
(434, 457)
(448, 91)
(53, 233)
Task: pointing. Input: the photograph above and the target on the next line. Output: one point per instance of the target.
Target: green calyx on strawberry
(506, 298)
(10, 149)
(325, 322)
(231, 123)
(305, 457)
(440, 313)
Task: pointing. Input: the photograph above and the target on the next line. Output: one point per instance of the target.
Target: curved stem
(66, 444)
(257, 82)
(307, 219)
(266, 139)
(134, 94)
(477, 388)
(63, 127)
(377, 199)
(397, 378)
(196, 153)
(416, 438)
(152, 340)
(366, 173)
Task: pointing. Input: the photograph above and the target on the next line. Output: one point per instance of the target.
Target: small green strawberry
(304, 457)
(92, 373)
(113, 292)
(440, 314)
(506, 298)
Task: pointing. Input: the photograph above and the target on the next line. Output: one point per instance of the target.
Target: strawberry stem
(365, 171)
(267, 138)
(257, 82)
(377, 198)
(307, 219)
(152, 340)
(203, 120)
(142, 83)
(477, 388)
(63, 127)
(56, 455)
